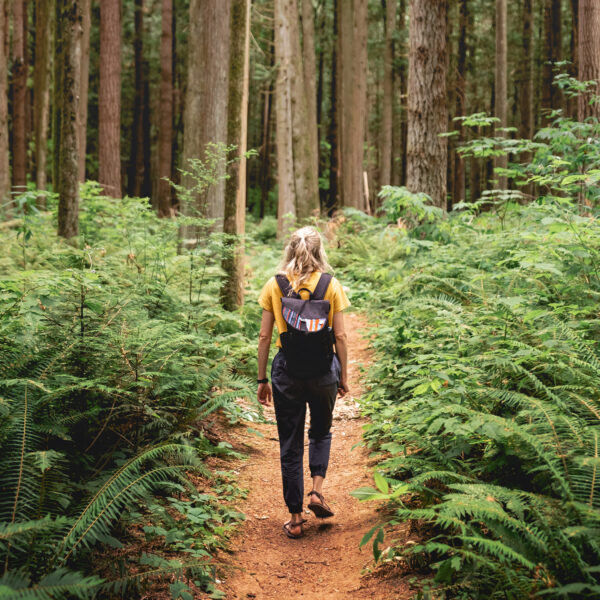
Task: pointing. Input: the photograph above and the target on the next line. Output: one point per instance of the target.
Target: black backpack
(308, 342)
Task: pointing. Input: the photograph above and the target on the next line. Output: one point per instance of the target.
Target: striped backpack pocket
(308, 342)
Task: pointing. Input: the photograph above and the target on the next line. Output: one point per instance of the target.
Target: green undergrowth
(484, 409)
(114, 357)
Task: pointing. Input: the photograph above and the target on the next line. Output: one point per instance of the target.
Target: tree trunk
(165, 130)
(333, 135)
(41, 90)
(574, 52)
(85, 84)
(19, 76)
(525, 84)
(136, 171)
(353, 97)
(552, 48)
(265, 153)
(70, 66)
(400, 125)
(109, 99)
(232, 293)
(4, 163)
(286, 207)
(310, 84)
(427, 111)
(205, 113)
(500, 85)
(589, 56)
(301, 158)
(387, 109)
(459, 192)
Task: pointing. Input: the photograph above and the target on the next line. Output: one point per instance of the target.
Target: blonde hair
(303, 255)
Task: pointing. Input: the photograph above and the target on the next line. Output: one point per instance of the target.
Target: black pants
(290, 397)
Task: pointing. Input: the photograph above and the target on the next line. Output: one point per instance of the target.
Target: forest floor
(326, 563)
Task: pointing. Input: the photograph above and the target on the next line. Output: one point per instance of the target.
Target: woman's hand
(265, 394)
(343, 388)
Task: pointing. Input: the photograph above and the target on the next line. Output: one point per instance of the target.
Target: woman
(303, 264)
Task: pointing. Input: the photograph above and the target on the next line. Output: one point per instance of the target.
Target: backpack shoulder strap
(322, 286)
(284, 285)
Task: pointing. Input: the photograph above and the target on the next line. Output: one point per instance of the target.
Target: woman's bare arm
(264, 343)
(341, 348)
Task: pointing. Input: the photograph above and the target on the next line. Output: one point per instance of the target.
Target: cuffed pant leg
(290, 413)
(321, 401)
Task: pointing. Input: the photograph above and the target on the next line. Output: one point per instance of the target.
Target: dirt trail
(327, 562)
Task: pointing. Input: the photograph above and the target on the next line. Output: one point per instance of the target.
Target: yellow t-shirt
(270, 299)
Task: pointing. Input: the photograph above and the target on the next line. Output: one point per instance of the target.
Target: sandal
(322, 511)
(287, 527)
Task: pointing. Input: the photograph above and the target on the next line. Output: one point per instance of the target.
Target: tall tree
(501, 80)
(232, 294)
(589, 56)
(310, 82)
(387, 109)
(70, 27)
(353, 100)
(427, 111)
(458, 193)
(86, 22)
(333, 134)
(525, 82)
(4, 163)
(138, 176)
(572, 103)
(205, 116)
(296, 161)
(109, 99)
(44, 19)
(165, 130)
(19, 73)
(552, 49)
(399, 132)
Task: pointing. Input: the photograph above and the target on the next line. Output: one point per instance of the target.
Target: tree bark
(589, 56)
(165, 131)
(70, 67)
(265, 153)
(353, 98)
(109, 99)
(551, 94)
(4, 144)
(86, 16)
(427, 111)
(232, 293)
(459, 191)
(41, 90)
(19, 73)
(297, 153)
(286, 206)
(310, 84)
(138, 176)
(387, 109)
(574, 52)
(399, 132)
(333, 134)
(501, 93)
(205, 113)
